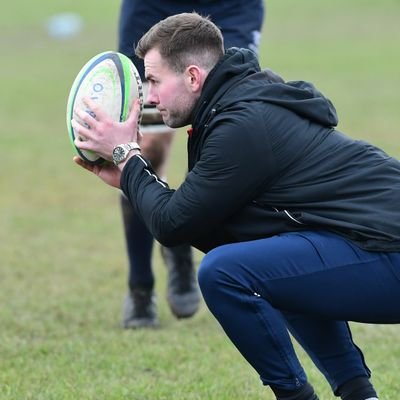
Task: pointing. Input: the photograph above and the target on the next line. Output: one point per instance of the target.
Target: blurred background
(62, 253)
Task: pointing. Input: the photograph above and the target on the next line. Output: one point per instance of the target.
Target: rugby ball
(111, 80)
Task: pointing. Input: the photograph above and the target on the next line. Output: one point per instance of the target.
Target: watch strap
(133, 146)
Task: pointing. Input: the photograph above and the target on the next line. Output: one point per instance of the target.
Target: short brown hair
(184, 39)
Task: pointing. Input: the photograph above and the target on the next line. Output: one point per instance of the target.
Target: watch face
(119, 154)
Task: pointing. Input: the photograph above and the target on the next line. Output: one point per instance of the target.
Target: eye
(152, 81)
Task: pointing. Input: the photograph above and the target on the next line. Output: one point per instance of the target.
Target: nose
(151, 97)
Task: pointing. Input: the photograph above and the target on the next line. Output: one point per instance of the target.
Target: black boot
(183, 293)
(139, 310)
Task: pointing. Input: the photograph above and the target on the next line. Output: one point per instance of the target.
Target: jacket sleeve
(236, 162)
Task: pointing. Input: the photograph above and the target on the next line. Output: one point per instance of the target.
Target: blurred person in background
(240, 22)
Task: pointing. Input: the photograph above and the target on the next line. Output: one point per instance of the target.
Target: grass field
(63, 262)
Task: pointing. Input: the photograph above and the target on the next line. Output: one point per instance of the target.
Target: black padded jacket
(265, 158)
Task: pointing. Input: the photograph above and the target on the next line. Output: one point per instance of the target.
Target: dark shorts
(239, 20)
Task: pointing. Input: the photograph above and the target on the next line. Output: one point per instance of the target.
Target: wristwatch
(120, 152)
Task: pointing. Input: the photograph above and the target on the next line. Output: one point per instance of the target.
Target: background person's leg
(139, 249)
(139, 307)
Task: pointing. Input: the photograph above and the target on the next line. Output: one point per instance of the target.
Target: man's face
(168, 91)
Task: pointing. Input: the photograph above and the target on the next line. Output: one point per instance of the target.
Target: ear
(194, 78)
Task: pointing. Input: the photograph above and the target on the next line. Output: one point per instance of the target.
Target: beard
(181, 114)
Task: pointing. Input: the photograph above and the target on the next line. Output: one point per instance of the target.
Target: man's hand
(100, 133)
(107, 172)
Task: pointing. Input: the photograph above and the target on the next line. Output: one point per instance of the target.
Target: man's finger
(82, 144)
(87, 117)
(83, 164)
(94, 109)
(80, 130)
(134, 111)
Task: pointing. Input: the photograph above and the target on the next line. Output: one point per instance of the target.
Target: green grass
(63, 262)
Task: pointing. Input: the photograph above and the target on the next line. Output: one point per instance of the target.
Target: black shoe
(139, 310)
(183, 292)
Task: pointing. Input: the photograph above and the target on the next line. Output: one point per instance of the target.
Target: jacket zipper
(211, 116)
